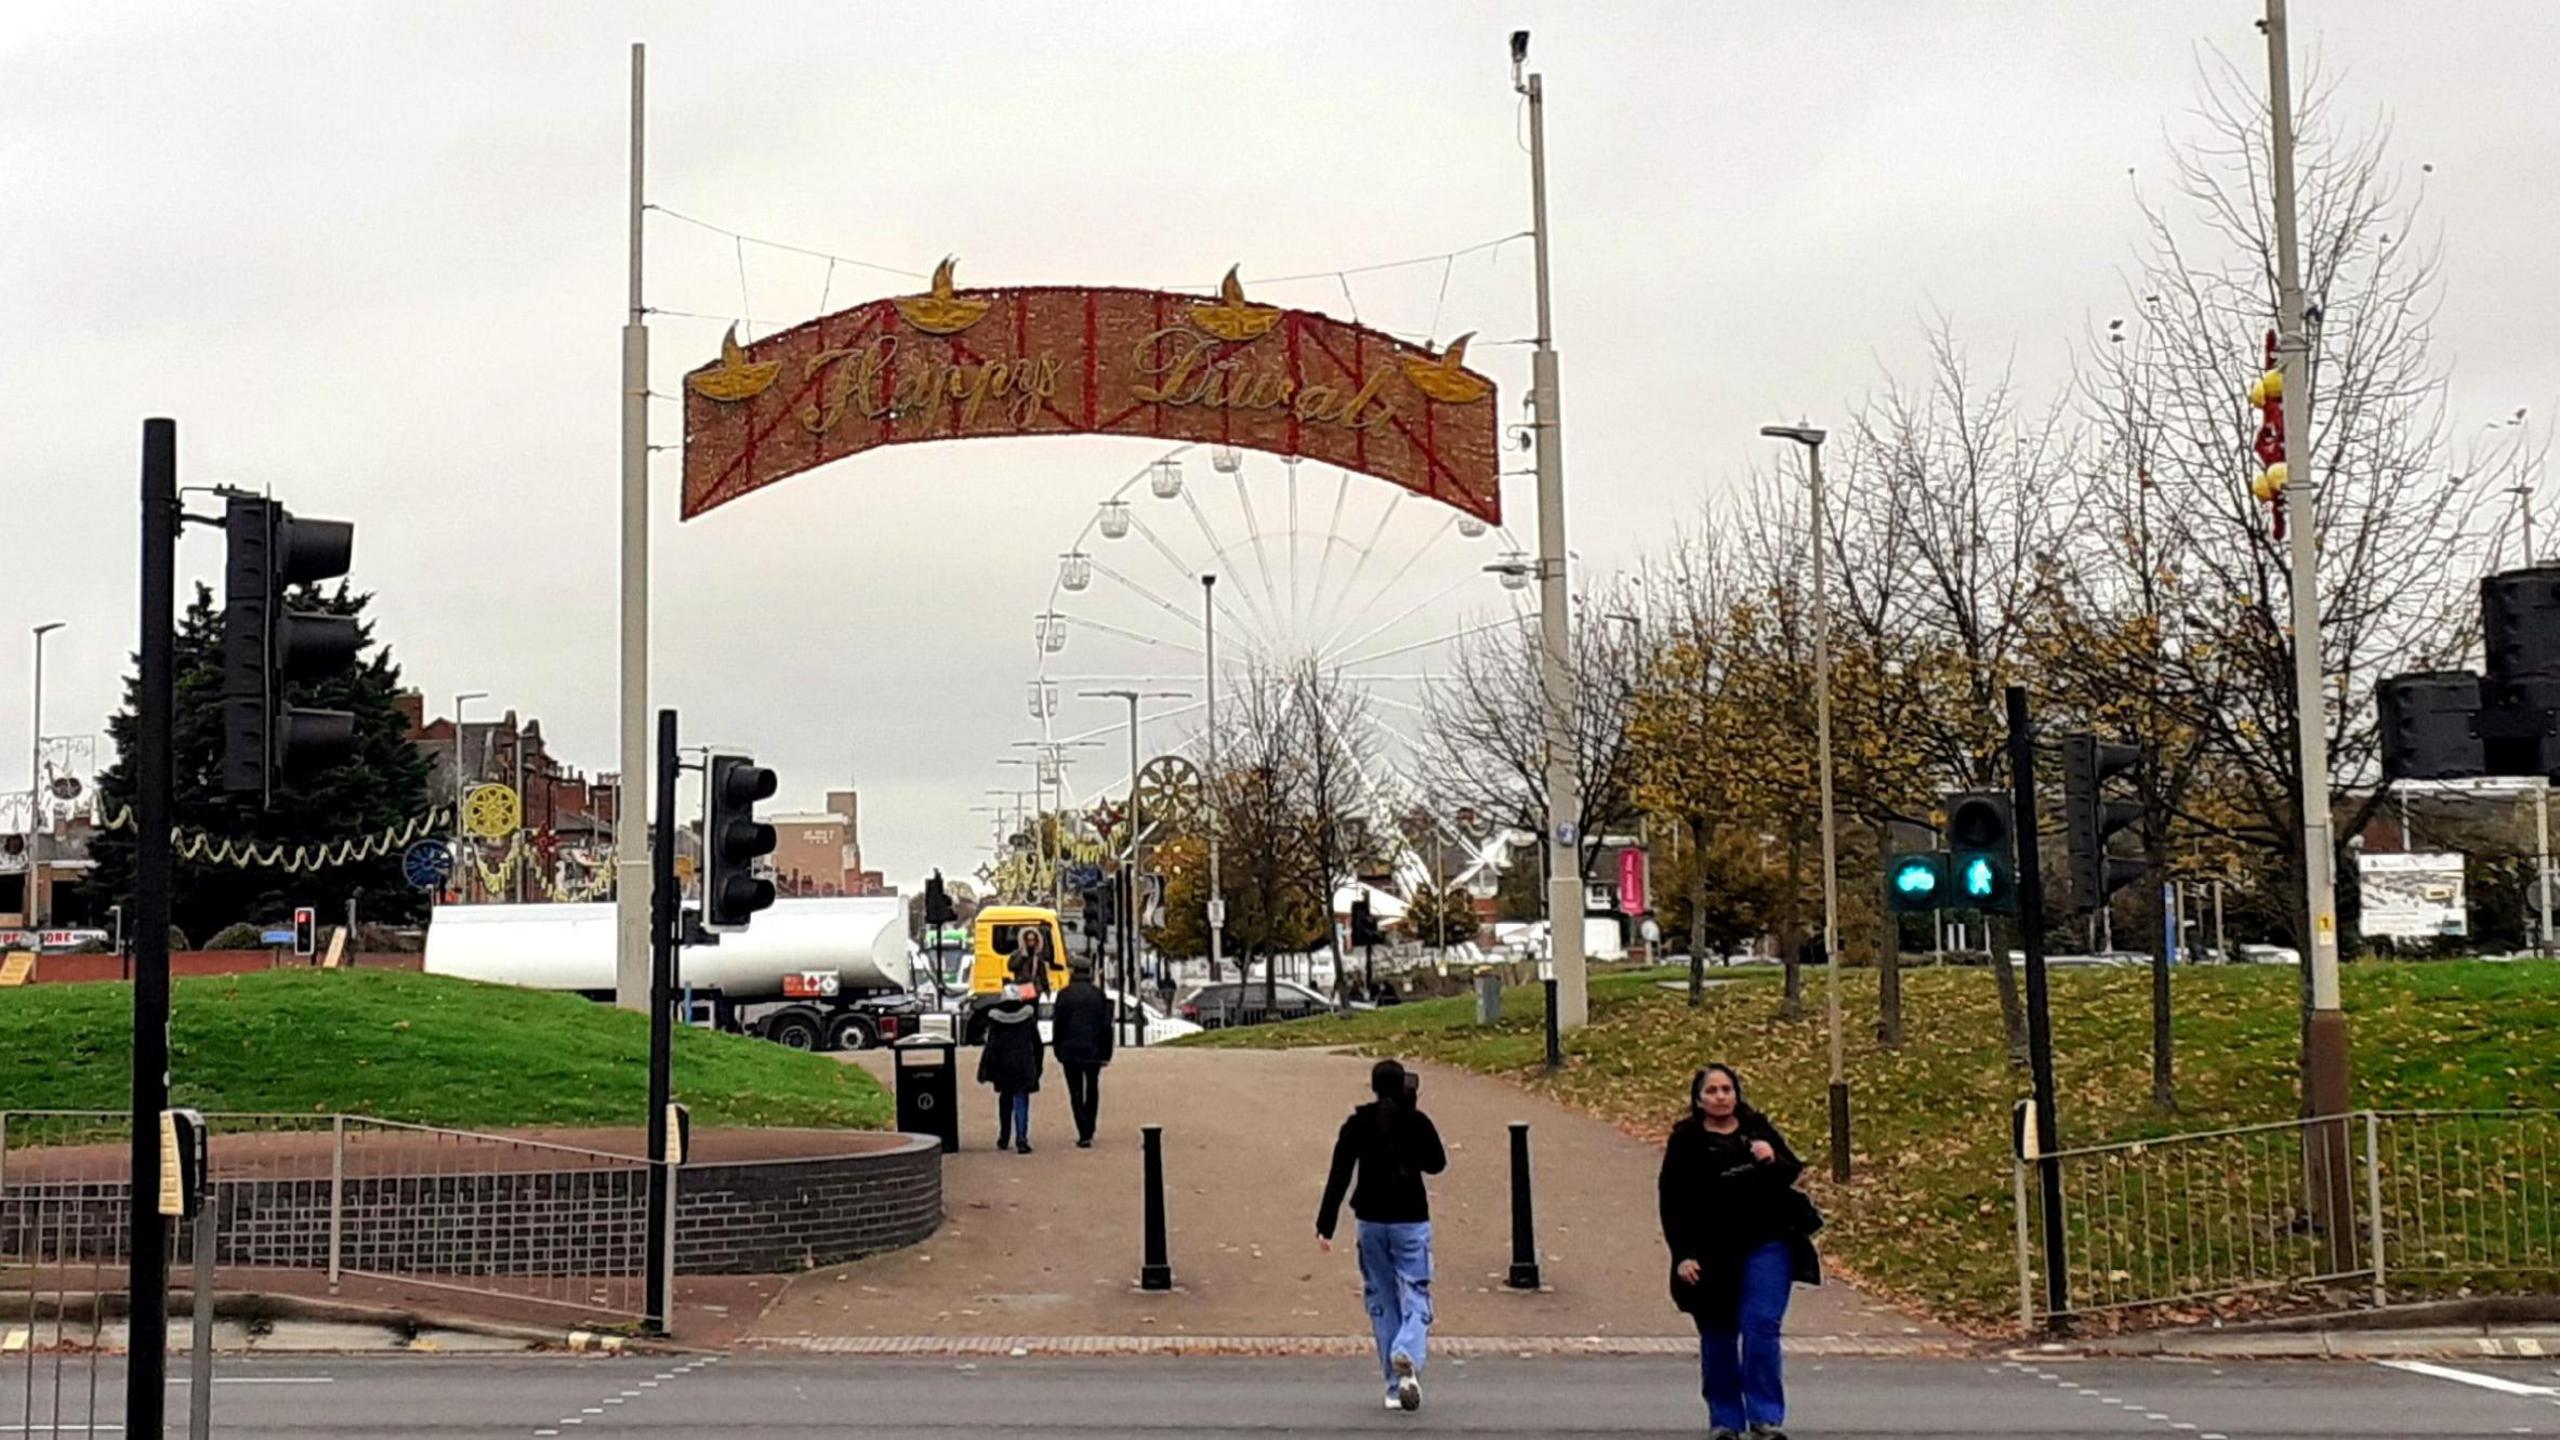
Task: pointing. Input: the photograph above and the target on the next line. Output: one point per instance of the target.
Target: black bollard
(1524, 1239)
(1555, 1038)
(1156, 1271)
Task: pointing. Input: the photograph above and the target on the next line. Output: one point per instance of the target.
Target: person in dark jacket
(1080, 1031)
(1389, 1144)
(1741, 1236)
(1011, 1060)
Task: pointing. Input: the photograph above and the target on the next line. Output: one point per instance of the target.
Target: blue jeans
(1013, 1117)
(1741, 1364)
(1395, 1281)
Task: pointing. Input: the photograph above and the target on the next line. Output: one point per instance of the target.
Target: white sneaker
(1408, 1385)
(1395, 1402)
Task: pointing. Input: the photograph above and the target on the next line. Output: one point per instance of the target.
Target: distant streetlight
(34, 873)
(1128, 908)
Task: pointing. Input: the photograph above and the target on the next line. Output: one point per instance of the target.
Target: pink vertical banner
(1631, 896)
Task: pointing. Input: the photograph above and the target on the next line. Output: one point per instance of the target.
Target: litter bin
(1488, 996)
(928, 1088)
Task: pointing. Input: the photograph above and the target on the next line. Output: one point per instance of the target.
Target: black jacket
(1011, 1060)
(1080, 1024)
(1392, 1148)
(1719, 1203)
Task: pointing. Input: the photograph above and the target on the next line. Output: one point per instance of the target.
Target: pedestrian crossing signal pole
(2030, 906)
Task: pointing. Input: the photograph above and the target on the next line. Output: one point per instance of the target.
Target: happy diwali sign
(1057, 360)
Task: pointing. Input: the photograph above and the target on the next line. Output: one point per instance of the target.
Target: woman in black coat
(1011, 1060)
(1740, 1235)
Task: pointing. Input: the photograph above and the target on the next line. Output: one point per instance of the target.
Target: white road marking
(2499, 1383)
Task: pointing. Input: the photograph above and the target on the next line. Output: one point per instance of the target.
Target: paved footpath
(1047, 1245)
(455, 1398)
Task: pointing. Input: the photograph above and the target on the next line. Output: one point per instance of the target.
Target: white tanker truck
(823, 974)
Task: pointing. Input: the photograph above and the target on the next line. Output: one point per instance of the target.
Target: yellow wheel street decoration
(492, 812)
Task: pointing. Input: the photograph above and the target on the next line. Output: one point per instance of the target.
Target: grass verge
(401, 1046)
(1928, 1218)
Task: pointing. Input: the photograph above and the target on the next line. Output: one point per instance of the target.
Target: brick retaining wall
(756, 1217)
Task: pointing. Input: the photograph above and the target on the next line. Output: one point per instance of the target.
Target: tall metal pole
(1129, 890)
(1811, 439)
(34, 872)
(155, 699)
(1217, 906)
(2327, 1085)
(2022, 782)
(631, 824)
(524, 813)
(2543, 859)
(1564, 788)
(461, 869)
(662, 967)
(1830, 841)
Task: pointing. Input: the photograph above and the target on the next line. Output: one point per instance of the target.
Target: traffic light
(732, 841)
(2430, 726)
(2520, 622)
(1982, 853)
(265, 647)
(938, 909)
(1916, 880)
(306, 931)
(2089, 819)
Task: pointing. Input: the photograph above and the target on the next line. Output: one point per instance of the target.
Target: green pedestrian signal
(1982, 851)
(1916, 881)
(1981, 881)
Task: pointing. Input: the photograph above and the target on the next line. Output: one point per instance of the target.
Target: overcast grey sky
(372, 256)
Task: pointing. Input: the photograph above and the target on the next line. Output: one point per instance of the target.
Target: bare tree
(1342, 811)
(1260, 796)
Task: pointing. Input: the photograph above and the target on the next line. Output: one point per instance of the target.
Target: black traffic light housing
(938, 910)
(1917, 880)
(1364, 924)
(2455, 725)
(1982, 853)
(306, 931)
(733, 840)
(2090, 819)
(265, 646)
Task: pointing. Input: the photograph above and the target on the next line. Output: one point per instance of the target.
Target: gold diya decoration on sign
(735, 379)
(1231, 316)
(1447, 378)
(939, 312)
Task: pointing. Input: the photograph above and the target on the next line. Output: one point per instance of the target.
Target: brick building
(568, 815)
(820, 852)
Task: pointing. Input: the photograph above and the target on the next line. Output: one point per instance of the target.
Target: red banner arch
(1062, 360)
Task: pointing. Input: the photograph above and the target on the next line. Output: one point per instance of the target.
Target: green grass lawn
(1928, 1217)
(403, 1046)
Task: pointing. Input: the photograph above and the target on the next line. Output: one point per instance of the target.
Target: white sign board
(2412, 897)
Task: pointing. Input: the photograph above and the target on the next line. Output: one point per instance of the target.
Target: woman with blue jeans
(1389, 1145)
(1741, 1236)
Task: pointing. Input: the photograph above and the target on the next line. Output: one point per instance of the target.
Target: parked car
(1241, 1002)
(2266, 954)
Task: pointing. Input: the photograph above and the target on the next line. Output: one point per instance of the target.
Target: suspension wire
(1366, 549)
(674, 214)
(1332, 532)
(1447, 523)
(1253, 527)
(1103, 567)
(1126, 634)
(1218, 553)
(1292, 466)
(1434, 640)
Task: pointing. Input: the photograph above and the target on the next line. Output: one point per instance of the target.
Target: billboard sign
(2413, 896)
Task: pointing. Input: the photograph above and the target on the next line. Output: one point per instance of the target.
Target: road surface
(457, 1398)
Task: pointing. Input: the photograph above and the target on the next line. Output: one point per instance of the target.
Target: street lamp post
(1811, 439)
(2326, 1044)
(1564, 790)
(1217, 906)
(34, 872)
(1129, 862)
(461, 871)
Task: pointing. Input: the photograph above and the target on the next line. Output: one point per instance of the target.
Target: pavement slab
(1048, 1244)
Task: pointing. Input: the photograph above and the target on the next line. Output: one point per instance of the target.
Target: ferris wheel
(1370, 584)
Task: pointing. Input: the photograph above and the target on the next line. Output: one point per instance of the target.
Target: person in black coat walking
(1741, 1236)
(1010, 1060)
(1389, 1145)
(1080, 1031)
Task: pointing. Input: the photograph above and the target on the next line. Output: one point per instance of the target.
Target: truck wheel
(852, 1032)
(793, 1030)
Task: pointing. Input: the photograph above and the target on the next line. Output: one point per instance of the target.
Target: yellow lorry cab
(995, 937)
